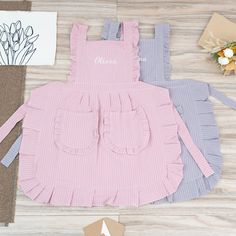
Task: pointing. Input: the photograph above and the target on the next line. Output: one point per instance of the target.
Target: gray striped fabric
(191, 100)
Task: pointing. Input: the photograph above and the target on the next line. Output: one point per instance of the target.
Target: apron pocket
(126, 132)
(76, 132)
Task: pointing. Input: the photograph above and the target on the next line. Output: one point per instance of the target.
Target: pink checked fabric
(103, 137)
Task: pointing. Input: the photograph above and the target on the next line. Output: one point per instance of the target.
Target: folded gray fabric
(191, 100)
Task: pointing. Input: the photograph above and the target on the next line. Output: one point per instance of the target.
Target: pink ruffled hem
(71, 196)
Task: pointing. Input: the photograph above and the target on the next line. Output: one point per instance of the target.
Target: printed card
(27, 38)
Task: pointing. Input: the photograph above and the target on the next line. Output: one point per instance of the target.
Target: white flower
(223, 61)
(228, 52)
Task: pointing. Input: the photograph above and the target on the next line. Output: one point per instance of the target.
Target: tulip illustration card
(27, 38)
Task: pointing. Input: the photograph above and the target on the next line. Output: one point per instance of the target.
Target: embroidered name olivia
(102, 60)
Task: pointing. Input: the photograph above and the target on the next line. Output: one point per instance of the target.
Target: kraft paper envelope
(220, 28)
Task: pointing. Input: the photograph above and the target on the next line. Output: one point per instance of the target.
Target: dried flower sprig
(16, 44)
(226, 58)
(223, 52)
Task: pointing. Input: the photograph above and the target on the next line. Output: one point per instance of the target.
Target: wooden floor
(212, 215)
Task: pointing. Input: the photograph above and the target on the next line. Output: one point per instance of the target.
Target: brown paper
(218, 27)
(12, 83)
(95, 229)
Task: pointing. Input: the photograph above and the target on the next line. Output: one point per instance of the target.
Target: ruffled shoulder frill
(135, 51)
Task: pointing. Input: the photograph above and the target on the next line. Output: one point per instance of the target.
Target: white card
(27, 38)
(105, 230)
